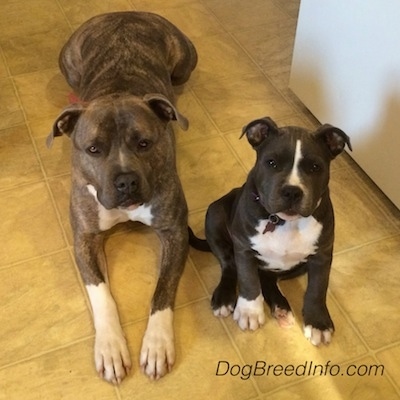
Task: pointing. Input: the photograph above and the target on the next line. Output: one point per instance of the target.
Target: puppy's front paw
(318, 325)
(111, 355)
(224, 299)
(158, 351)
(318, 336)
(223, 311)
(249, 314)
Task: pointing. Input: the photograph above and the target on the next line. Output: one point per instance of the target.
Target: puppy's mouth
(289, 215)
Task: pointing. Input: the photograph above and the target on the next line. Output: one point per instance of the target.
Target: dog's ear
(165, 109)
(65, 122)
(257, 130)
(334, 138)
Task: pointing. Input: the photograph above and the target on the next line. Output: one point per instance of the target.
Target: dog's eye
(272, 163)
(144, 144)
(93, 150)
(315, 167)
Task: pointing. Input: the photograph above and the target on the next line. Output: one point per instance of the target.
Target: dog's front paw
(111, 355)
(158, 351)
(224, 299)
(318, 325)
(249, 314)
(223, 311)
(318, 336)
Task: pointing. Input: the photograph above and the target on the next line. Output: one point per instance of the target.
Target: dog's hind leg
(280, 308)
(225, 296)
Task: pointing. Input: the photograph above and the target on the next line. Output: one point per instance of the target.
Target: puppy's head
(292, 168)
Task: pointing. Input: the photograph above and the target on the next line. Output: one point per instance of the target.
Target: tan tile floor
(46, 336)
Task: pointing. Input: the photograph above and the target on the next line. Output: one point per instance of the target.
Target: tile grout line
(30, 259)
(43, 171)
(49, 191)
(350, 323)
(389, 377)
(373, 198)
(46, 352)
(204, 109)
(202, 283)
(368, 243)
(64, 15)
(3, 57)
(258, 67)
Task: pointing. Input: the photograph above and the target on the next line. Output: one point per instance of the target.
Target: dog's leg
(277, 302)
(249, 310)
(185, 61)
(318, 325)
(224, 297)
(158, 350)
(112, 357)
(217, 220)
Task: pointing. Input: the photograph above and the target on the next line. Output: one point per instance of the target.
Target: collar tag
(273, 221)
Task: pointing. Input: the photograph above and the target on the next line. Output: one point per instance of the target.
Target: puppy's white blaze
(109, 218)
(249, 314)
(158, 350)
(289, 244)
(294, 177)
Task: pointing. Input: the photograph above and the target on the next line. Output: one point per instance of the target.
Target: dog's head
(120, 145)
(292, 167)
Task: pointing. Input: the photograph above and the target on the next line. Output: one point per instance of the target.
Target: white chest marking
(294, 177)
(289, 244)
(109, 218)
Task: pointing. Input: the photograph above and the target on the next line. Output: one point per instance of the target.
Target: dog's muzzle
(291, 197)
(127, 186)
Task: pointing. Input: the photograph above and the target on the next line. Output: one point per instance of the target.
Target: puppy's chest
(288, 245)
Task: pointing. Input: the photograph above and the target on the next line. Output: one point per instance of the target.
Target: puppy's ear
(165, 109)
(257, 130)
(334, 138)
(65, 122)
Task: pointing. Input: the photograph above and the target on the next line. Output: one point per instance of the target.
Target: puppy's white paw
(284, 317)
(223, 311)
(158, 351)
(249, 314)
(316, 336)
(111, 355)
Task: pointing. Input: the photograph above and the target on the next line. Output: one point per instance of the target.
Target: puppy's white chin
(287, 217)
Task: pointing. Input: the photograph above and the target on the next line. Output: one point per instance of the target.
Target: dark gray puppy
(278, 224)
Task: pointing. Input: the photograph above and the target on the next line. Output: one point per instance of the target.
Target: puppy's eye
(272, 163)
(94, 150)
(315, 167)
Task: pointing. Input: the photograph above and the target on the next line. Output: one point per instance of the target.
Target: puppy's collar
(273, 219)
(273, 222)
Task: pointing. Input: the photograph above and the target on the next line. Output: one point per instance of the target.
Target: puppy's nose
(292, 193)
(127, 183)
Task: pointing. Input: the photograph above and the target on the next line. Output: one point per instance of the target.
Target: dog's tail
(197, 243)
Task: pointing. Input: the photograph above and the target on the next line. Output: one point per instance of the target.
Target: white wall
(346, 70)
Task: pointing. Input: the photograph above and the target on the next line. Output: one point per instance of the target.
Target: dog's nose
(292, 193)
(127, 183)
